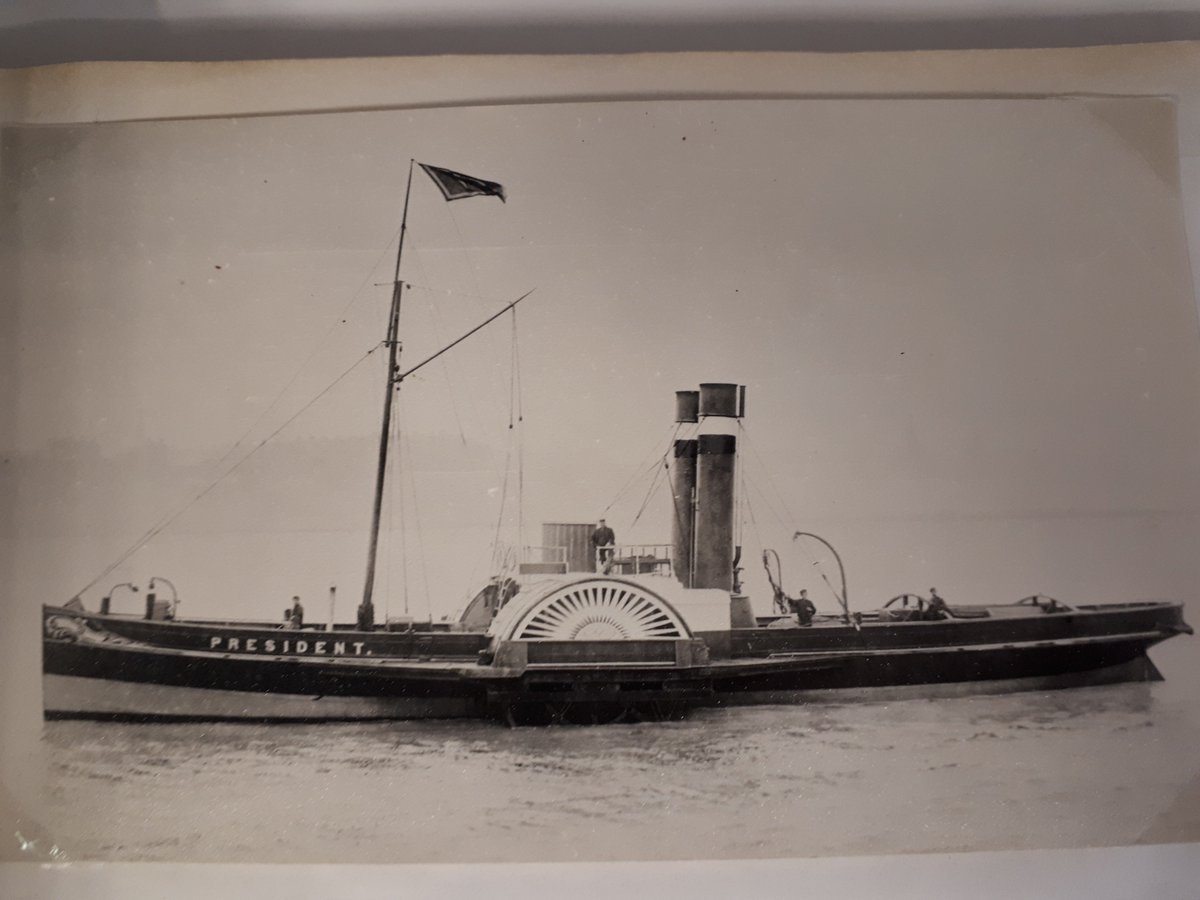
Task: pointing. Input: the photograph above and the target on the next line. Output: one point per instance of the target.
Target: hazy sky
(944, 310)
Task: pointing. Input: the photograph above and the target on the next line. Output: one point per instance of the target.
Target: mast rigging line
(163, 524)
(390, 537)
(642, 469)
(787, 519)
(434, 310)
(750, 486)
(660, 466)
(437, 330)
(462, 243)
(787, 513)
(516, 438)
(409, 509)
(750, 511)
(516, 388)
(339, 318)
(407, 451)
(400, 377)
(449, 292)
(497, 562)
(652, 471)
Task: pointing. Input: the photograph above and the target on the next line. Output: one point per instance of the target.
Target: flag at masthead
(456, 185)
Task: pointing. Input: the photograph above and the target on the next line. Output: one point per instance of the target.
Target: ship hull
(1071, 661)
(116, 678)
(112, 667)
(75, 697)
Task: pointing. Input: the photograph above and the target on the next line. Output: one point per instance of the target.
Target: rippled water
(1072, 768)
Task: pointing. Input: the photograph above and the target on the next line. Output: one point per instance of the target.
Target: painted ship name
(287, 646)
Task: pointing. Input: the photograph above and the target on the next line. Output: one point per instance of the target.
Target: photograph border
(111, 92)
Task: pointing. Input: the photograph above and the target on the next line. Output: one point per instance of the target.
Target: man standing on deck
(366, 616)
(603, 540)
(296, 614)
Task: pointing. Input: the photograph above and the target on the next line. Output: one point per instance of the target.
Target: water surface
(1085, 767)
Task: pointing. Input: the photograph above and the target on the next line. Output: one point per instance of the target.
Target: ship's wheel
(600, 610)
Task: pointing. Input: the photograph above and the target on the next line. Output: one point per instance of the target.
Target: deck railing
(617, 559)
(635, 559)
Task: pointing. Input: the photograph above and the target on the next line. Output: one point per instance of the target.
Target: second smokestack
(713, 561)
(683, 490)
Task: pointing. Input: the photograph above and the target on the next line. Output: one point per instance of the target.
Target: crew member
(802, 608)
(937, 608)
(366, 616)
(603, 539)
(296, 614)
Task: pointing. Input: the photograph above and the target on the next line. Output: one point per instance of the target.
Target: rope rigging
(412, 481)
(236, 456)
(397, 462)
(437, 331)
(642, 469)
(339, 319)
(162, 524)
(658, 470)
(502, 559)
(506, 560)
(787, 523)
(516, 379)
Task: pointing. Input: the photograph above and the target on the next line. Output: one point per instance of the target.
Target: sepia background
(968, 335)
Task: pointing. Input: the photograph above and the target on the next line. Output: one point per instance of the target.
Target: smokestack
(683, 489)
(713, 563)
(687, 406)
(721, 400)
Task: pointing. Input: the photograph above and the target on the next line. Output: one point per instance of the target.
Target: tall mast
(393, 369)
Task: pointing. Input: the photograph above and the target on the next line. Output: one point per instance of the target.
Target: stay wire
(662, 464)
(814, 563)
(659, 467)
(340, 318)
(497, 552)
(416, 511)
(516, 367)
(398, 460)
(648, 471)
(485, 302)
(445, 369)
(462, 243)
(515, 442)
(158, 529)
(390, 532)
(766, 473)
(642, 469)
(678, 511)
(750, 510)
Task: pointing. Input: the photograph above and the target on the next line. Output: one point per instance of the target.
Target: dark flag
(455, 185)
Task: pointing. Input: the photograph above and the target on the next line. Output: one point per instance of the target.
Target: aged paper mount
(128, 92)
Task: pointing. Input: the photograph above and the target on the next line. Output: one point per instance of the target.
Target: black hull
(141, 670)
(956, 665)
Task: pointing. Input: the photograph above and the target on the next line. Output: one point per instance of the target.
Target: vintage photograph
(641, 480)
